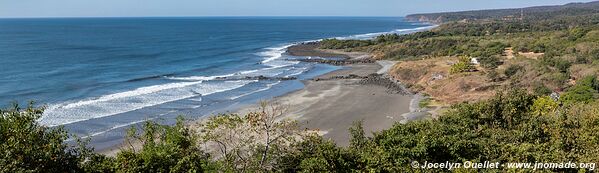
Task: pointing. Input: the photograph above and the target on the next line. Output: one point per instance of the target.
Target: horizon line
(232, 16)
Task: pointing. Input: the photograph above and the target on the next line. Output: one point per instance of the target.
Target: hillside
(509, 91)
(547, 51)
(529, 13)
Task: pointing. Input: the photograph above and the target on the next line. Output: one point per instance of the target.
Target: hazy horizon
(241, 8)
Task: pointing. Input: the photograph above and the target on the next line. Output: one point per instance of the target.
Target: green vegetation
(28, 147)
(463, 65)
(343, 44)
(490, 62)
(163, 149)
(511, 127)
(584, 91)
(550, 44)
(424, 103)
(512, 70)
(493, 76)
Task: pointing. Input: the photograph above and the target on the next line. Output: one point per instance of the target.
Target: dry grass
(432, 77)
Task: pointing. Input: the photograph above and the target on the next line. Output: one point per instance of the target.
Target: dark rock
(377, 79)
(339, 62)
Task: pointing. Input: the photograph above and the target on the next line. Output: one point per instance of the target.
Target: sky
(170, 8)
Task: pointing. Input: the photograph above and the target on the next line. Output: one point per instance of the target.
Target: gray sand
(331, 106)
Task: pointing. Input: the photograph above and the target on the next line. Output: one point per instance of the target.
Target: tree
(357, 138)
(579, 93)
(490, 62)
(316, 154)
(27, 146)
(255, 141)
(162, 148)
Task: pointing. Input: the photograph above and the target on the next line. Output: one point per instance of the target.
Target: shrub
(541, 90)
(585, 91)
(561, 64)
(493, 76)
(163, 149)
(544, 106)
(386, 38)
(257, 141)
(512, 70)
(579, 93)
(27, 146)
(490, 62)
(343, 44)
(463, 65)
(424, 103)
(590, 81)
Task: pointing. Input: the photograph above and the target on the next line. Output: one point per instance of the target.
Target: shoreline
(331, 102)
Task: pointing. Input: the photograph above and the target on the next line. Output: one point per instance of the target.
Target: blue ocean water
(98, 76)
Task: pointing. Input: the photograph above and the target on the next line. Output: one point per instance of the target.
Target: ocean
(100, 76)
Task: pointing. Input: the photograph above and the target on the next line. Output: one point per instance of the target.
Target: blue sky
(129, 8)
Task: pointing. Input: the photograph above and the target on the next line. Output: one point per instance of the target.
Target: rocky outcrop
(393, 86)
(338, 62)
(257, 78)
(351, 76)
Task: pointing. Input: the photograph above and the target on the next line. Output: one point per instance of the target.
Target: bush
(512, 70)
(578, 93)
(541, 90)
(386, 38)
(585, 91)
(544, 106)
(490, 62)
(343, 44)
(27, 146)
(164, 149)
(561, 64)
(510, 127)
(590, 81)
(463, 65)
(493, 76)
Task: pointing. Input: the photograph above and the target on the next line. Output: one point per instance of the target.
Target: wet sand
(331, 106)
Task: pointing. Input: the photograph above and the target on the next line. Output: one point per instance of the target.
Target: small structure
(474, 61)
(554, 96)
(437, 76)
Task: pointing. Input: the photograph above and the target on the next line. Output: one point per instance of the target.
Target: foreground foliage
(511, 127)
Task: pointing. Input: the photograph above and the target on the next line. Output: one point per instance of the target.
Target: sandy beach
(331, 104)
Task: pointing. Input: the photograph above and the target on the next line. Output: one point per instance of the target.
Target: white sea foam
(139, 98)
(199, 99)
(126, 94)
(199, 78)
(274, 53)
(268, 86)
(298, 72)
(248, 71)
(127, 101)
